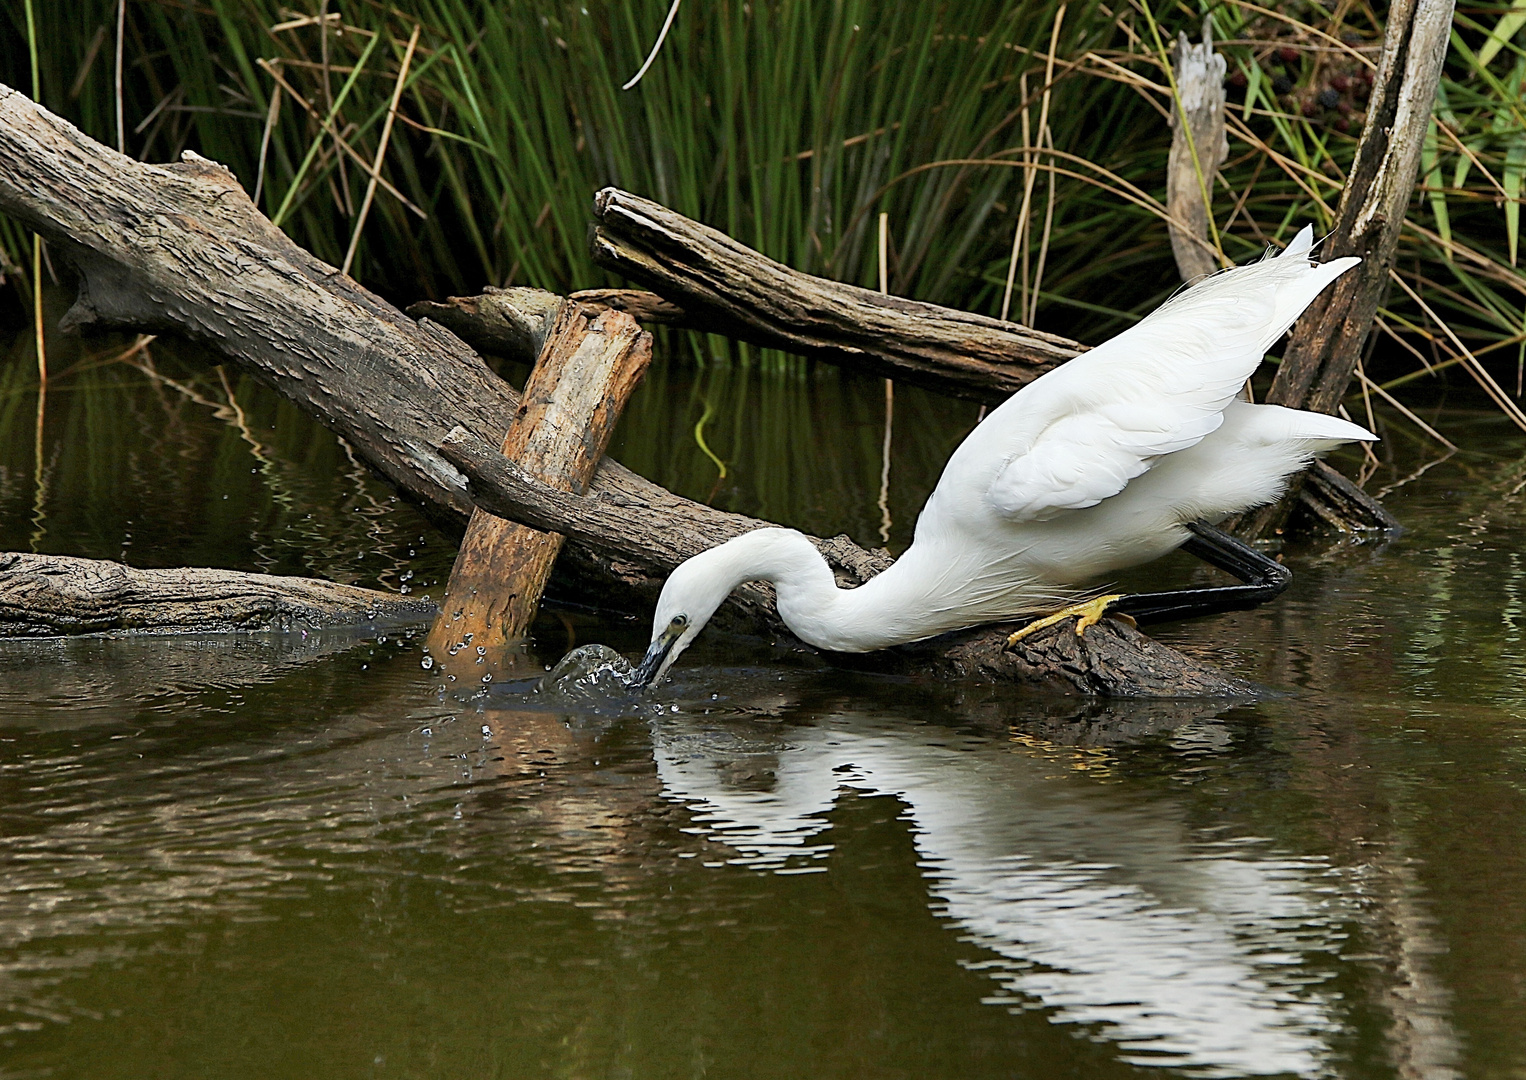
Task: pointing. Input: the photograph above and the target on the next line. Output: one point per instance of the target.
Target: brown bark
(180, 248)
(726, 287)
(591, 361)
(1322, 354)
(53, 595)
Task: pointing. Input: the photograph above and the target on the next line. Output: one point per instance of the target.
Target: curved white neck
(907, 602)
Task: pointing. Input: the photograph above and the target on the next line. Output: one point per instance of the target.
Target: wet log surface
(180, 248)
(54, 595)
(591, 360)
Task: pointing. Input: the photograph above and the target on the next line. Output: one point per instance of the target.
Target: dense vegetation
(792, 125)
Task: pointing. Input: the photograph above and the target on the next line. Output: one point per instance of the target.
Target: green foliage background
(792, 124)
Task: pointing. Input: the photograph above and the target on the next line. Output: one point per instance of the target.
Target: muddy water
(275, 857)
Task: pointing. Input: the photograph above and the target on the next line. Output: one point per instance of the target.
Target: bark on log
(180, 248)
(506, 322)
(590, 363)
(1326, 343)
(726, 287)
(54, 595)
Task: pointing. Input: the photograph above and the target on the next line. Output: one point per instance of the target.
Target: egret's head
(689, 598)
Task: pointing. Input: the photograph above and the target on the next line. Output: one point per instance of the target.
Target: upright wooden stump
(591, 361)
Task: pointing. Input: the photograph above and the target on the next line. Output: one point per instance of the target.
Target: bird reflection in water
(1095, 903)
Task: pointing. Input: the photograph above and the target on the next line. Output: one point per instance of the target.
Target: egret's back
(1081, 433)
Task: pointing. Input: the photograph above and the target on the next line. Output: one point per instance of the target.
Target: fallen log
(180, 248)
(719, 281)
(56, 595)
(725, 287)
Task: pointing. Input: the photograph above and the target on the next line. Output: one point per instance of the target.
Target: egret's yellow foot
(1086, 614)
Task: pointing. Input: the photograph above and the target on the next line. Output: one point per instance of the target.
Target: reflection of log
(181, 248)
(727, 287)
(1327, 341)
(50, 595)
(591, 361)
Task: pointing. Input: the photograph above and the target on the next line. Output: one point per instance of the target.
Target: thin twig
(1368, 384)
(661, 37)
(1475, 368)
(381, 149)
(272, 115)
(327, 126)
(121, 123)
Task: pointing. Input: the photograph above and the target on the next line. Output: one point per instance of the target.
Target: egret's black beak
(652, 662)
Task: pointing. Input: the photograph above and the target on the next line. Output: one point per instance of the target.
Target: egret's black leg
(1264, 579)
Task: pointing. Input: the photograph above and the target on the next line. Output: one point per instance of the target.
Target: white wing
(1081, 432)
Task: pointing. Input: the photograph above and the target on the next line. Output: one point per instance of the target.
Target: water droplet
(427, 731)
(488, 677)
(405, 590)
(481, 650)
(427, 663)
(487, 732)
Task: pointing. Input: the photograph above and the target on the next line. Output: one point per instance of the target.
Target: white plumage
(1091, 468)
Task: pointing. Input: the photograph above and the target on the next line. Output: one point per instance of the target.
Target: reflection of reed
(138, 455)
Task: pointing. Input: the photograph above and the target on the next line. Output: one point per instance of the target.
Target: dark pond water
(275, 857)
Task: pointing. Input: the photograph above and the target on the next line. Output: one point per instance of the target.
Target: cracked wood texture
(53, 595)
(591, 361)
(726, 287)
(180, 248)
(1327, 341)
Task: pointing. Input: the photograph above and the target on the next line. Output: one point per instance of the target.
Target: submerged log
(55, 595)
(591, 361)
(181, 248)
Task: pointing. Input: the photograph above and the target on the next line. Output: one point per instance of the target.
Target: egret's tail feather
(1302, 244)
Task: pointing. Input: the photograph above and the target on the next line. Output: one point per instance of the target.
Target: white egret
(1112, 459)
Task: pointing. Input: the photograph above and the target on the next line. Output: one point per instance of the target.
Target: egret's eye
(680, 620)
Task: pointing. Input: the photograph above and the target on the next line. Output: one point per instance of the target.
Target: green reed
(793, 124)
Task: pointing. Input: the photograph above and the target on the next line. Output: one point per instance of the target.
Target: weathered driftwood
(181, 248)
(1198, 148)
(53, 595)
(591, 361)
(726, 287)
(1326, 343)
